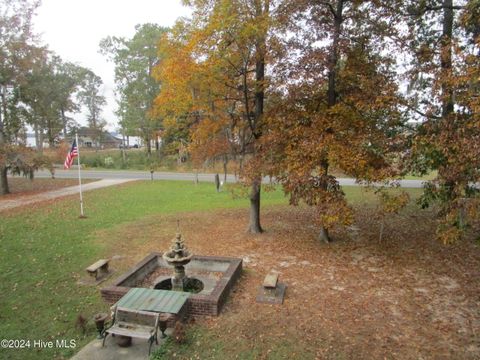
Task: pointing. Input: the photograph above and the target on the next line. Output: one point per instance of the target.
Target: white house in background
(133, 141)
(32, 142)
(130, 141)
(92, 138)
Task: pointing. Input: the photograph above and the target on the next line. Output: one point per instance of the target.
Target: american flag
(71, 155)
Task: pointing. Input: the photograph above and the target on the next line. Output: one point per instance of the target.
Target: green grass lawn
(45, 248)
(430, 176)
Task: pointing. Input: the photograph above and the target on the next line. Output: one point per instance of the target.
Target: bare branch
(441, 7)
(421, 113)
(330, 6)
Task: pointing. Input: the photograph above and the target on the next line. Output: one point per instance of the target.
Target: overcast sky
(73, 29)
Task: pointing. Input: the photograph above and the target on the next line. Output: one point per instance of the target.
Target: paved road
(133, 175)
(144, 175)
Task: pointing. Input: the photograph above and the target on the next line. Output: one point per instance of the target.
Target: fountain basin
(218, 275)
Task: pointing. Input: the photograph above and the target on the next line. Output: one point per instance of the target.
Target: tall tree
(68, 82)
(215, 72)
(134, 61)
(338, 104)
(444, 94)
(17, 43)
(90, 96)
(47, 95)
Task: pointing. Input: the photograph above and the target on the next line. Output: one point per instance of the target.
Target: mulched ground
(408, 297)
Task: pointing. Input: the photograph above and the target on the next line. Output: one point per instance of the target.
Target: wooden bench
(100, 266)
(270, 283)
(134, 323)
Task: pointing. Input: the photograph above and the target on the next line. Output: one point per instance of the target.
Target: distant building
(31, 141)
(130, 141)
(97, 139)
(90, 139)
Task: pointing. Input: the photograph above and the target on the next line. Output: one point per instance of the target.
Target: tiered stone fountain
(178, 256)
(209, 282)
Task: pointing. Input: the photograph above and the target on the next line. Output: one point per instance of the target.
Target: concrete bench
(100, 266)
(134, 323)
(271, 291)
(270, 282)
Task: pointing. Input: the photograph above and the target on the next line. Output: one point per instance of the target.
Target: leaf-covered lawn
(407, 297)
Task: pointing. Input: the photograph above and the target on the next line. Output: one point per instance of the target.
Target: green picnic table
(141, 311)
(161, 301)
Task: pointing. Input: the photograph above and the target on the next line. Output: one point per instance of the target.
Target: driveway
(49, 195)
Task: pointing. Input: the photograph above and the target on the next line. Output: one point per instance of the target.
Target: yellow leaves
(338, 214)
(169, 122)
(471, 208)
(208, 140)
(448, 234)
(391, 203)
(176, 73)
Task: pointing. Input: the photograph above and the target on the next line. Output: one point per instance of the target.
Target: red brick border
(197, 305)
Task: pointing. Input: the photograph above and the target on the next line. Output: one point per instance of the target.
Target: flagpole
(79, 175)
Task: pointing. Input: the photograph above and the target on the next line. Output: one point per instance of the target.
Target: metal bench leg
(104, 337)
(150, 347)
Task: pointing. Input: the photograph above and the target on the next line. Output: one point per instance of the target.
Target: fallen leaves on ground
(407, 297)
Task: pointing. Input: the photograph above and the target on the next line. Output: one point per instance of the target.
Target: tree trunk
(3, 115)
(51, 138)
(447, 90)
(149, 147)
(332, 92)
(37, 137)
(3, 168)
(123, 149)
(323, 234)
(64, 121)
(254, 227)
(4, 180)
(225, 162)
(217, 182)
(260, 49)
(40, 141)
(256, 126)
(333, 61)
(240, 166)
(446, 57)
